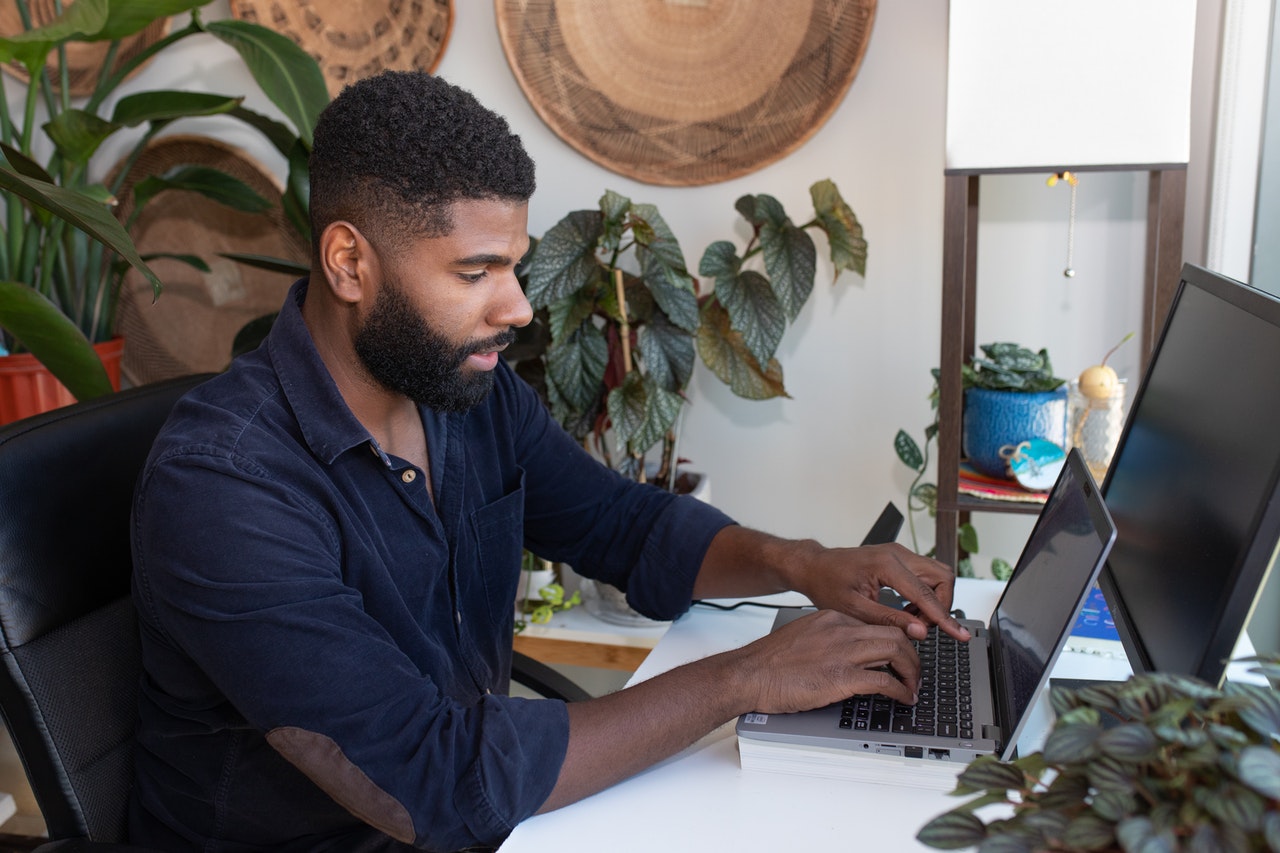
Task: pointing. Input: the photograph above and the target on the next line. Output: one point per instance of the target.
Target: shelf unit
(1166, 196)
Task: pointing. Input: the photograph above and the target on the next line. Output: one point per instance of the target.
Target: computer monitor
(1193, 482)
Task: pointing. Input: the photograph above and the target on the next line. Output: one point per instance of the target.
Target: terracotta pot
(28, 388)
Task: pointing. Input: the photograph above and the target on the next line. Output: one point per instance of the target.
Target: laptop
(1008, 661)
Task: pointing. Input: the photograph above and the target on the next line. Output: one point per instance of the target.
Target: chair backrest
(69, 657)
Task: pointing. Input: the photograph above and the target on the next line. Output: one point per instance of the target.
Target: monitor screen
(1192, 484)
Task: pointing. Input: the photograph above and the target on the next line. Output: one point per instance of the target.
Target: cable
(957, 612)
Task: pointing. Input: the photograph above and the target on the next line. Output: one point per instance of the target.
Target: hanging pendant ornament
(1071, 179)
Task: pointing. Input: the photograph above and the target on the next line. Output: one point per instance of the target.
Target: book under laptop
(975, 696)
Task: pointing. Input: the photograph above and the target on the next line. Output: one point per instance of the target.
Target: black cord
(957, 612)
(745, 604)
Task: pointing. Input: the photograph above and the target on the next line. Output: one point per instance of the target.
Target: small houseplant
(62, 253)
(1010, 396)
(922, 496)
(541, 594)
(1183, 766)
(620, 317)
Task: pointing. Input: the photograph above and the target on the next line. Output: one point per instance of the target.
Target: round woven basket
(354, 39)
(84, 59)
(685, 92)
(191, 327)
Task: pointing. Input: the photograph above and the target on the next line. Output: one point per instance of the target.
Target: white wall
(857, 361)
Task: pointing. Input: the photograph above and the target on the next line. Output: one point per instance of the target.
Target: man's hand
(817, 659)
(825, 657)
(849, 580)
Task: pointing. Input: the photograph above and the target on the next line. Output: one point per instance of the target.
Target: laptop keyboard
(945, 706)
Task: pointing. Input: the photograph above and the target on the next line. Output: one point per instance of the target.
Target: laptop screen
(1058, 566)
(1192, 485)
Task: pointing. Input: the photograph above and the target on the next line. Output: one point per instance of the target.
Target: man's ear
(347, 260)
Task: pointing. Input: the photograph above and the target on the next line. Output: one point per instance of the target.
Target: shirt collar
(327, 423)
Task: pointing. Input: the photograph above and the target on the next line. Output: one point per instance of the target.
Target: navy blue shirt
(327, 649)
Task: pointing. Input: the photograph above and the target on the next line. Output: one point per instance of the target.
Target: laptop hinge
(992, 733)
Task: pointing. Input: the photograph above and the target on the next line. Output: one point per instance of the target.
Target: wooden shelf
(1166, 198)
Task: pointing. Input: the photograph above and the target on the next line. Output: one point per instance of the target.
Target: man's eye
(471, 277)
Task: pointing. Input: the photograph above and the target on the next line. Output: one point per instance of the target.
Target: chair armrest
(544, 680)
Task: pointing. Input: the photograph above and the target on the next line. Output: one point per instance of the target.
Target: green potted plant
(1157, 764)
(62, 252)
(620, 321)
(922, 496)
(1010, 396)
(541, 594)
(620, 317)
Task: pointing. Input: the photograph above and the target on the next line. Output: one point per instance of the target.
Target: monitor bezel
(1250, 573)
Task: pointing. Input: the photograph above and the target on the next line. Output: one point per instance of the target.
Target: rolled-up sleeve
(638, 537)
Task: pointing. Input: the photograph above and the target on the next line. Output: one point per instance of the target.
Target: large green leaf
(577, 365)
(79, 133)
(1128, 742)
(908, 451)
(81, 211)
(281, 137)
(672, 289)
(268, 263)
(53, 339)
(754, 311)
(127, 17)
(208, 182)
(1089, 832)
(168, 104)
(564, 317)
(667, 353)
(297, 194)
(614, 208)
(1071, 743)
(720, 260)
(1259, 768)
(844, 232)
(988, 773)
(955, 830)
(79, 21)
(652, 232)
(286, 73)
(565, 260)
(641, 413)
(1262, 712)
(726, 355)
(791, 261)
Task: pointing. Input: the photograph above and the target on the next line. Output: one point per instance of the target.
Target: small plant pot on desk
(1000, 420)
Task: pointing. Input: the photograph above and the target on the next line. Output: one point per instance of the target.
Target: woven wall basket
(684, 92)
(191, 327)
(84, 59)
(354, 39)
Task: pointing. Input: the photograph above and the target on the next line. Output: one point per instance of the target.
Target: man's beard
(407, 356)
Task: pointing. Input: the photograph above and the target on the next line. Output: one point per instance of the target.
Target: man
(327, 539)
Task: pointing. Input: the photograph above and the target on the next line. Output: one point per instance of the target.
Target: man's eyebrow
(482, 260)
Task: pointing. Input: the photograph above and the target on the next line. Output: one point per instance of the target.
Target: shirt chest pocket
(498, 528)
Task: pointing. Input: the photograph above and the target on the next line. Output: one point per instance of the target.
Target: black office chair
(69, 653)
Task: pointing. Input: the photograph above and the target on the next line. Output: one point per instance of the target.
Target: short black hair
(393, 152)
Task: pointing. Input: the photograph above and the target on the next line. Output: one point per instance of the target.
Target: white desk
(702, 799)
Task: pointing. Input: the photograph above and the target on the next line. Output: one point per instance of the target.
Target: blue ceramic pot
(996, 419)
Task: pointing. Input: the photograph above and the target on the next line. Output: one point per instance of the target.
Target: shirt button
(409, 476)
(457, 617)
